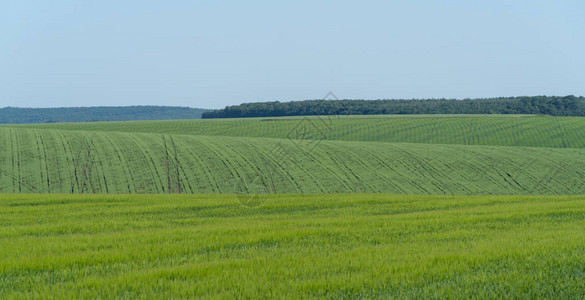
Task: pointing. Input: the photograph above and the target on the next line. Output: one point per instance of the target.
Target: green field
(59, 161)
(489, 130)
(449, 155)
(296, 246)
(346, 207)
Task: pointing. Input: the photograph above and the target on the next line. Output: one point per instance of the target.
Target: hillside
(69, 161)
(487, 130)
(12, 115)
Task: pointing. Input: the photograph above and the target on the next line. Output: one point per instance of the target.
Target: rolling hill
(49, 159)
(488, 130)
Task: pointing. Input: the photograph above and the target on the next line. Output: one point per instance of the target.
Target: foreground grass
(328, 246)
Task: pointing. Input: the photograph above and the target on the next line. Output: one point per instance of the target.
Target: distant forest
(12, 115)
(554, 106)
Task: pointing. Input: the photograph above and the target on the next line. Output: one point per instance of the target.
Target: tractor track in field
(171, 165)
(142, 148)
(207, 169)
(123, 161)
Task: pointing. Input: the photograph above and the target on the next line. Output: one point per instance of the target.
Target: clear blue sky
(216, 53)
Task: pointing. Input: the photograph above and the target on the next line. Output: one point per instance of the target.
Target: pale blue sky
(216, 53)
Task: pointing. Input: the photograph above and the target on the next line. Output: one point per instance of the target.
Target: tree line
(548, 105)
(11, 115)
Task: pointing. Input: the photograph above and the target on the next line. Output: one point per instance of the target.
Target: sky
(210, 54)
